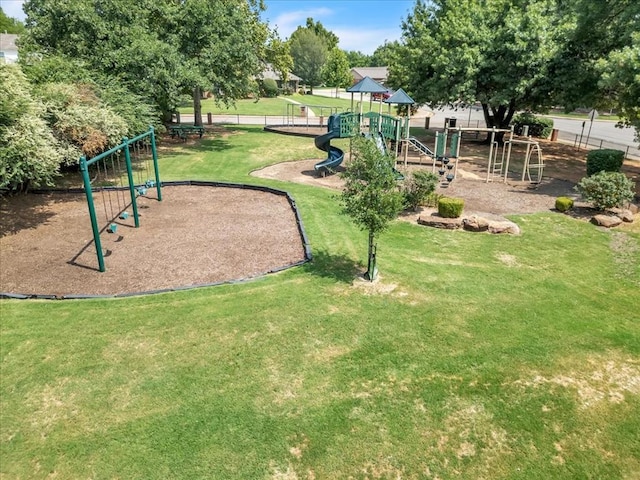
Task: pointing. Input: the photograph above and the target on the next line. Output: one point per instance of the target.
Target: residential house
(292, 84)
(8, 48)
(379, 74)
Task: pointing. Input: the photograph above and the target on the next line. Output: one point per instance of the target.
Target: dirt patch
(564, 167)
(196, 235)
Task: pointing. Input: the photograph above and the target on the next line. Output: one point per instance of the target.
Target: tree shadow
(338, 267)
(29, 210)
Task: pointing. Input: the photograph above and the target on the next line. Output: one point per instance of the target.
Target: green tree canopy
(357, 59)
(336, 72)
(10, 25)
(329, 38)
(161, 49)
(495, 52)
(384, 54)
(309, 54)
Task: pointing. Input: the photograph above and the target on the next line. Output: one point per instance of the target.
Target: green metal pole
(132, 188)
(156, 170)
(92, 211)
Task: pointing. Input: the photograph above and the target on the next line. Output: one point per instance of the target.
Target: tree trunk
(372, 271)
(197, 107)
(499, 117)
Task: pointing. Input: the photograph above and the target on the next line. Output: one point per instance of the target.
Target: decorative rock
(607, 221)
(633, 208)
(440, 222)
(622, 214)
(475, 224)
(504, 227)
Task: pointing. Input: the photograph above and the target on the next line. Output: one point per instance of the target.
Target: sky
(360, 24)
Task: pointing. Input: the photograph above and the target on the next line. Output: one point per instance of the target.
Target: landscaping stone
(623, 214)
(607, 221)
(475, 224)
(504, 227)
(441, 222)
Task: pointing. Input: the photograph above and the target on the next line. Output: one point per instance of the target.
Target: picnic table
(182, 131)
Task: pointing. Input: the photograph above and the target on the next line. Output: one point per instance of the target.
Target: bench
(182, 131)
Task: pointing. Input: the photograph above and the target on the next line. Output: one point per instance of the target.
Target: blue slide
(323, 142)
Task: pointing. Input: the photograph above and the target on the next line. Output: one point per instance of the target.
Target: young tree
(371, 196)
(336, 70)
(309, 54)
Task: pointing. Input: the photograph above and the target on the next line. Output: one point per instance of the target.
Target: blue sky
(360, 24)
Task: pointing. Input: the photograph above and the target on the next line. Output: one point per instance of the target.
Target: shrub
(563, 204)
(450, 207)
(417, 188)
(539, 127)
(605, 160)
(606, 189)
(269, 88)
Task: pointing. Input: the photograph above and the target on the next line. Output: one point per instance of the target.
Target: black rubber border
(277, 129)
(196, 183)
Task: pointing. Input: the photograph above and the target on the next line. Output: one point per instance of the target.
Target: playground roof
(400, 98)
(367, 85)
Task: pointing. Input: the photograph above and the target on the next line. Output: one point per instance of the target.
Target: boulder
(475, 224)
(607, 221)
(440, 222)
(504, 227)
(623, 214)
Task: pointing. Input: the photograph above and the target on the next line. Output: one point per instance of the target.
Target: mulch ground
(203, 235)
(196, 235)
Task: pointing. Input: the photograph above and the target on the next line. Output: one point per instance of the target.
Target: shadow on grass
(338, 267)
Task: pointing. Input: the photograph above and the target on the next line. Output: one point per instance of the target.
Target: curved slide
(323, 142)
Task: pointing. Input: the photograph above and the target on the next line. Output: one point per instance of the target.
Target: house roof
(367, 85)
(8, 42)
(373, 72)
(269, 72)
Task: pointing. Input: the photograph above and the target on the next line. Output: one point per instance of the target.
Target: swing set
(108, 176)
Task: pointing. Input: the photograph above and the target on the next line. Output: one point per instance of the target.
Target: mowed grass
(474, 356)
(278, 106)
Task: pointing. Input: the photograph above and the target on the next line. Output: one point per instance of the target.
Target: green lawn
(278, 106)
(475, 356)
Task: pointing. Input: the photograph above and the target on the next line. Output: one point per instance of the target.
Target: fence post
(209, 118)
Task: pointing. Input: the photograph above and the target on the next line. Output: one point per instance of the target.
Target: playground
(563, 169)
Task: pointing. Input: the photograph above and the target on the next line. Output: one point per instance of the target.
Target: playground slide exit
(323, 142)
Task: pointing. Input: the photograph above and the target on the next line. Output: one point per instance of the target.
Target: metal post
(154, 154)
(132, 188)
(92, 212)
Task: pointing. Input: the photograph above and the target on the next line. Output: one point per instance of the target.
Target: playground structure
(107, 176)
(498, 168)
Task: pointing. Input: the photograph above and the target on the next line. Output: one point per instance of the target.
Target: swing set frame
(84, 169)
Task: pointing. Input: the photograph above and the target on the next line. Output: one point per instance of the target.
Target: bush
(539, 127)
(606, 189)
(269, 88)
(450, 207)
(563, 204)
(605, 160)
(417, 188)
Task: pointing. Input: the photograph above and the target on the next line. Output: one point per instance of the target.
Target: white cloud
(289, 21)
(13, 9)
(366, 41)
